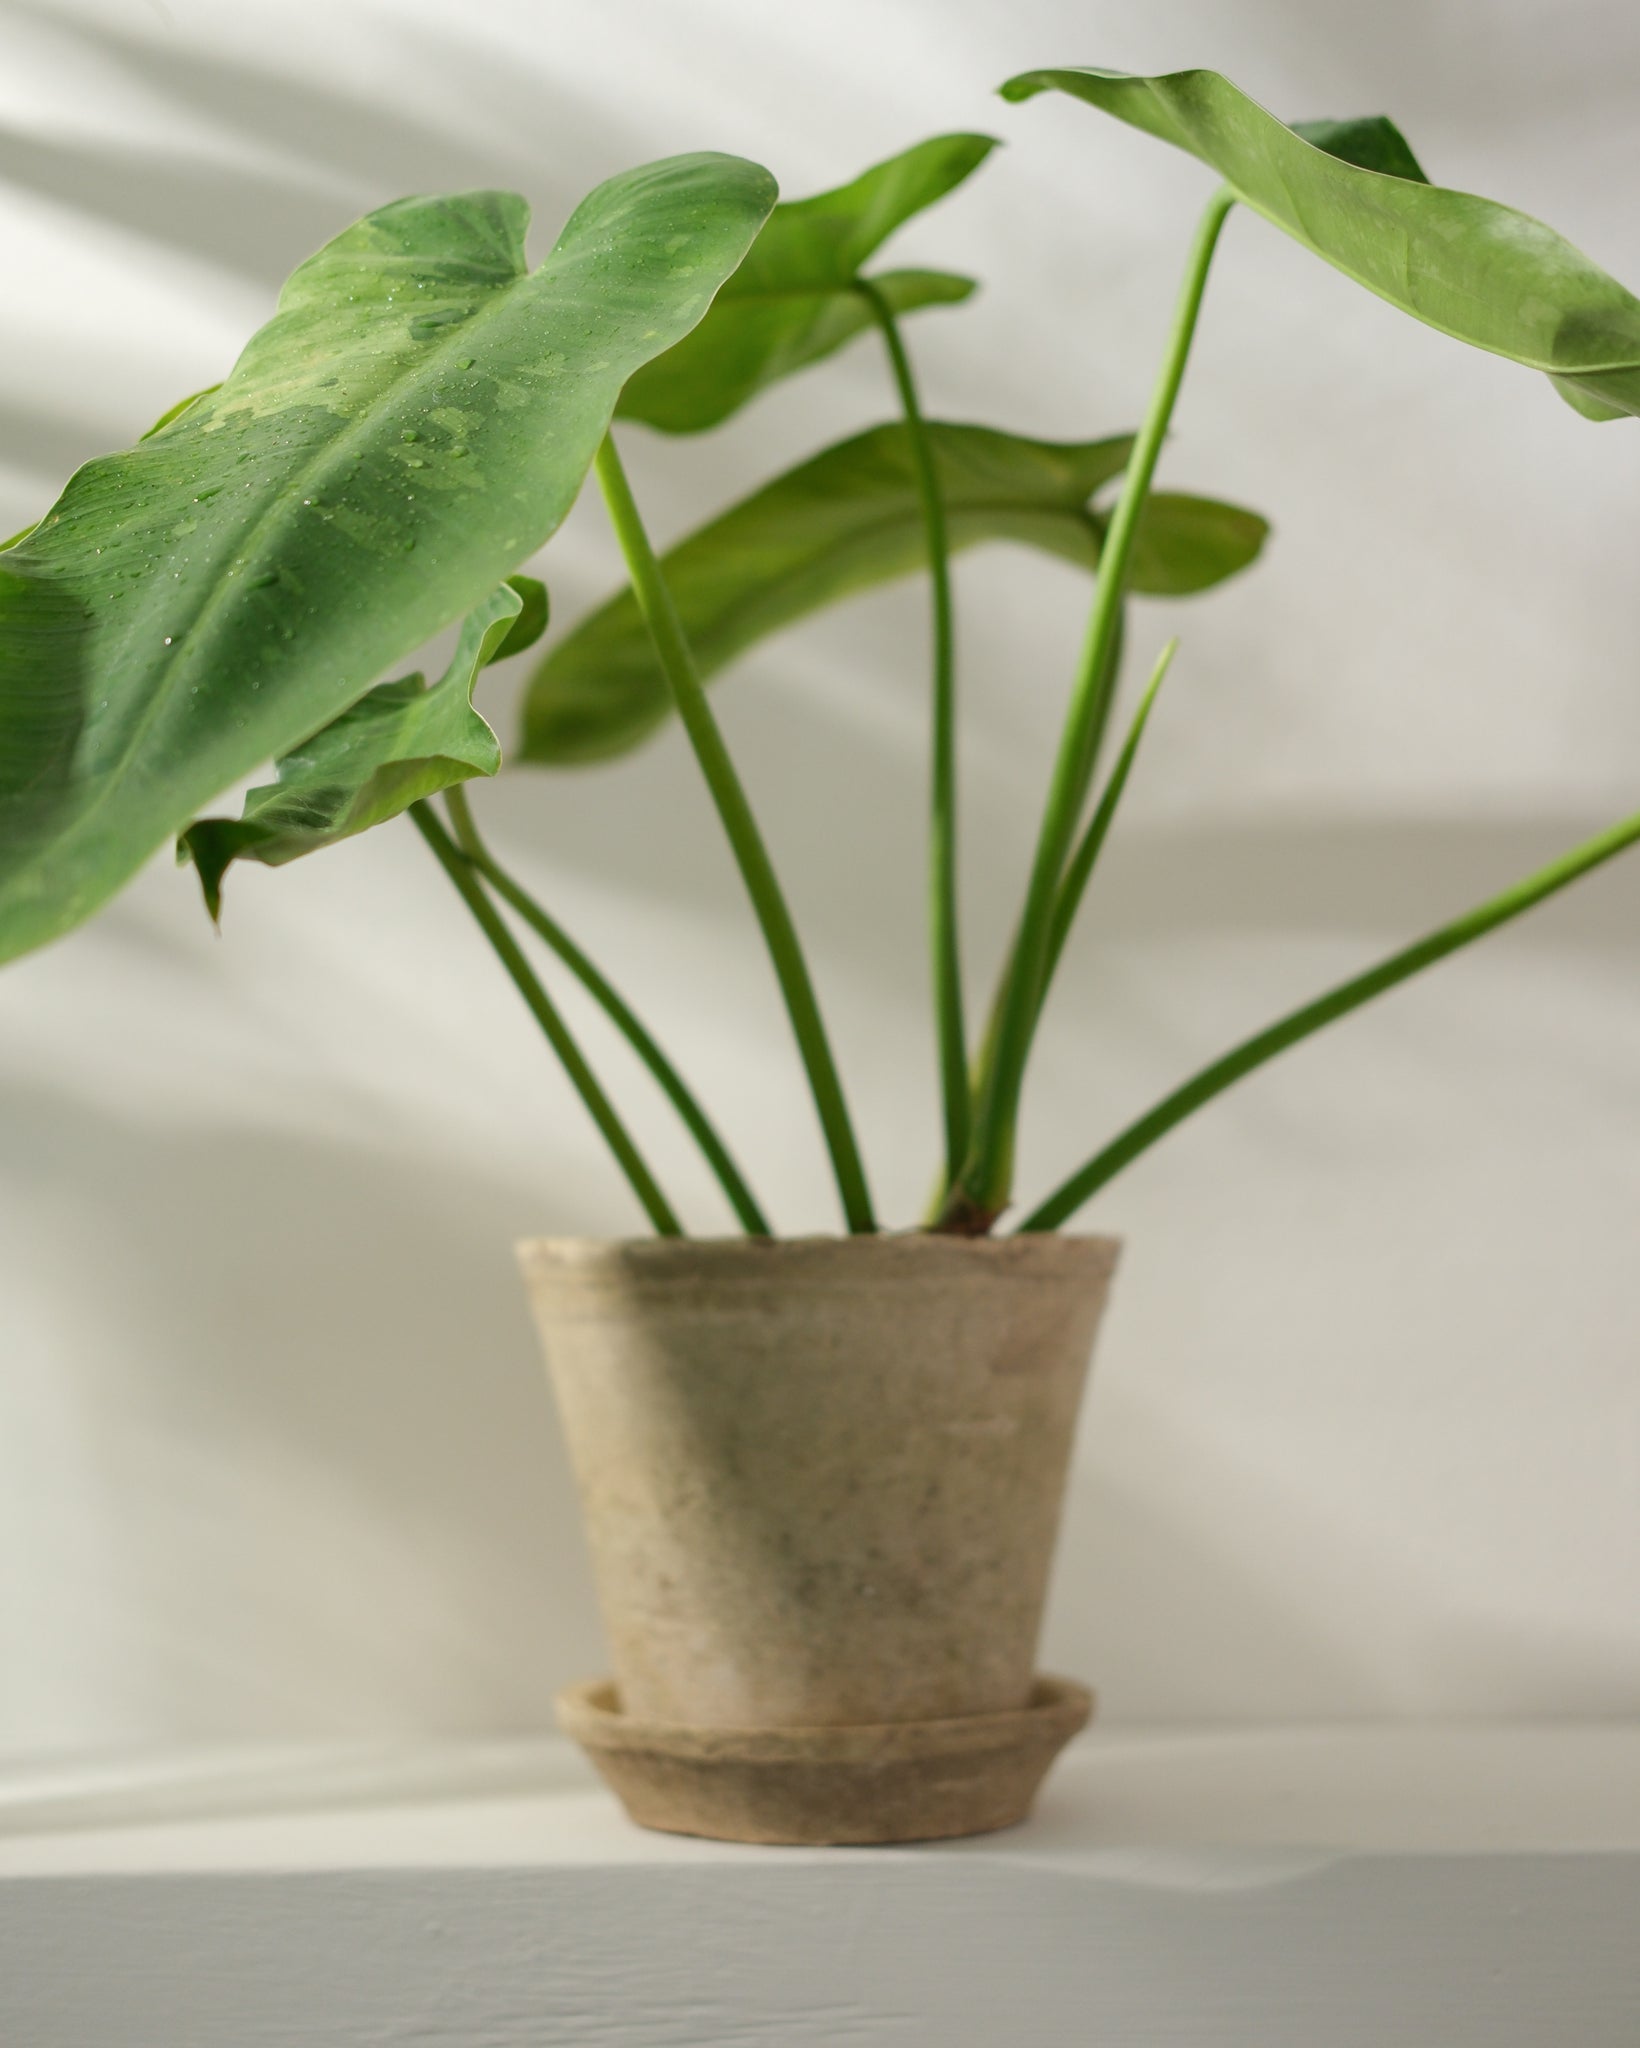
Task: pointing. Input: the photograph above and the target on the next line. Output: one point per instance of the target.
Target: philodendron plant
(419, 415)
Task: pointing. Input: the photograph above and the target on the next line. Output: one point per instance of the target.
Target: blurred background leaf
(792, 302)
(844, 521)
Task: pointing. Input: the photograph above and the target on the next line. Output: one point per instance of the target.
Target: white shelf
(1321, 1888)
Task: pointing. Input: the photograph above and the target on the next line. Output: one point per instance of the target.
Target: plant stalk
(984, 1188)
(943, 922)
(1253, 1052)
(1105, 703)
(1083, 861)
(620, 1013)
(780, 934)
(1063, 915)
(461, 872)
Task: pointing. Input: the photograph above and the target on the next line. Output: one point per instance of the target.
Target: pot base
(902, 1781)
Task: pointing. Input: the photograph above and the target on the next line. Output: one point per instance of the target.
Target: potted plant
(822, 1476)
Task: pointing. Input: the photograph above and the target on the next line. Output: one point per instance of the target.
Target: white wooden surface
(1438, 1887)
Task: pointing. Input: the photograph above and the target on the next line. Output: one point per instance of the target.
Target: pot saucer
(901, 1781)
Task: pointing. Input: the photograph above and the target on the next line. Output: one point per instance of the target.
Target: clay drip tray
(902, 1781)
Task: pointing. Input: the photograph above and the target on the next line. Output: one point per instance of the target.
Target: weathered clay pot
(821, 1477)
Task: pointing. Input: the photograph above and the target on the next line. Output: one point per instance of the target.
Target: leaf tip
(979, 144)
(1024, 85)
(1585, 403)
(200, 846)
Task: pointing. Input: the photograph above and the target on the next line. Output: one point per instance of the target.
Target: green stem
(1082, 862)
(1104, 705)
(620, 1013)
(780, 934)
(984, 1188)
(460, 871)
(1064, 907)
(1350, 995)
(943, 924)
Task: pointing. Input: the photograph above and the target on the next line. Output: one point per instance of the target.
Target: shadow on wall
(314, 1416)
(1169, 1615)
(312, 1405)
(258, 223)
(347, 152)
(845, 836)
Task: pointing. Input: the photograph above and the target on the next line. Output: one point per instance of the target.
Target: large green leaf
(415, 420)
(793, 300)
(1468, 266)
(841, 522)
(401, 742)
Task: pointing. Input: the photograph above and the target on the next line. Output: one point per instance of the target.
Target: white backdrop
(275, 1455)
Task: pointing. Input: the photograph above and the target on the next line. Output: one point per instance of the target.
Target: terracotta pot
(821, 1477)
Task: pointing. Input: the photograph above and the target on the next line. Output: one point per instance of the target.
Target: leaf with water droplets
(313, 604)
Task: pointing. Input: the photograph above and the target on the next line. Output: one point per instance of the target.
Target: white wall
(274, 1453)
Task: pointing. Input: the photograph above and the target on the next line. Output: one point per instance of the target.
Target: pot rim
(826, 1258)
(1018, 1242)
(903, 1248)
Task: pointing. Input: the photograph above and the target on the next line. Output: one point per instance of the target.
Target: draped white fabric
(276, 1460)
